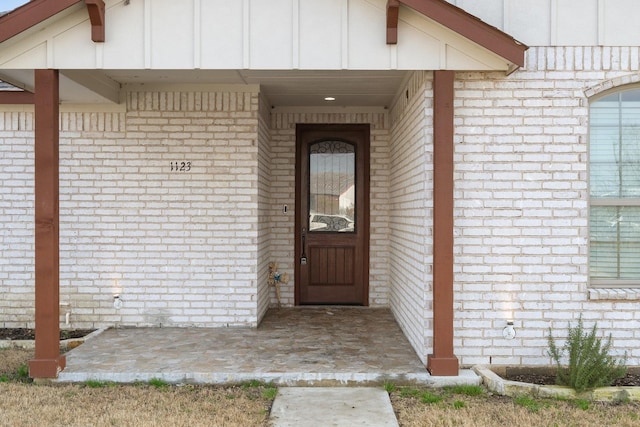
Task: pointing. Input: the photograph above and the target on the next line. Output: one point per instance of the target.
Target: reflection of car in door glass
(322, 222)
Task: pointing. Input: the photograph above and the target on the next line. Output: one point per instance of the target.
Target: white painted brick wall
(16, 217)
(181, 248)
(521, 210)
(410, 202)
(264, 207)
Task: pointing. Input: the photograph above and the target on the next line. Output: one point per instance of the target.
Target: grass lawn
(23, 403)
(473, 406)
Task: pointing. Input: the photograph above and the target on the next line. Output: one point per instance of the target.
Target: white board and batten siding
(247, 34)
(561, 22)
(308, 35)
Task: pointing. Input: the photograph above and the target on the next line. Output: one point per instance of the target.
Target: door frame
(365, 130)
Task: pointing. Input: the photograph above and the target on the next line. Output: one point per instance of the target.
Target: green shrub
(590, 364)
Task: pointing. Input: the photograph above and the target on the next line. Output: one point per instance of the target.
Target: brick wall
(410, 211)
(521, 209)
(179, 247)
(16, 217)
(264, 207)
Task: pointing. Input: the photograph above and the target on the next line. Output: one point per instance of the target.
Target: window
(614, 171)
(332, 171)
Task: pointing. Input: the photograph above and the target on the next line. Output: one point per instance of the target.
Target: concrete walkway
(325, 346)
(332, 406)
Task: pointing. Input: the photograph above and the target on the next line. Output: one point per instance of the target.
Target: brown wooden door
(332, 214)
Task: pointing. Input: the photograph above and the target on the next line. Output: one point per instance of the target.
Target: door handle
(303, 256)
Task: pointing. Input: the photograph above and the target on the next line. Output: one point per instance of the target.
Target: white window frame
(597, 283)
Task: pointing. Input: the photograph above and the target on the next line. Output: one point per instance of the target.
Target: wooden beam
(96, 16)
(393, 10)
(37, 11)
(443, 361)
(31, 14)
(47, 361)
(16, 97)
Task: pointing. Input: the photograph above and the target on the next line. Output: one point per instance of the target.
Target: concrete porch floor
(319, 346)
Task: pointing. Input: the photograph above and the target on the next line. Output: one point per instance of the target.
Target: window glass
(604, 161)
(615, 242)
(614, 172)
(332, 191)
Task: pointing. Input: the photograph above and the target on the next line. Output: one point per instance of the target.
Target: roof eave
(36, 11)
(465, 24)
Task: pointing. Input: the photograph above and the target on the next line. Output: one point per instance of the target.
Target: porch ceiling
(297, 88)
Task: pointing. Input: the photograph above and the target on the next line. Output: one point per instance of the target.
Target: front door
(332, 214)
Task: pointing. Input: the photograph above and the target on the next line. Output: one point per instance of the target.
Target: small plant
(409, 392)
(23, 373)
(590, 364)
(527, 402)
(98, 384)
(269, 393)
(158, 383)
(634, 416)
(94, 384)
(390, 387)
(467, 390)
(4, 379)
(582, 404)
(458, 404)
(428, 397)
(253, 384)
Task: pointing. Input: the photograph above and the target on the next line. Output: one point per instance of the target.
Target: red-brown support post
(47, 361)
(443, 361)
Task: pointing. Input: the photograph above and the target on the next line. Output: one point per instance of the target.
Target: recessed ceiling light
(329, 98)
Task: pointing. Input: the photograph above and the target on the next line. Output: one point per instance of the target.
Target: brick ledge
(614, 294)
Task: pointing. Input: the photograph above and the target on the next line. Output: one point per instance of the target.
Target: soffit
(282, 88)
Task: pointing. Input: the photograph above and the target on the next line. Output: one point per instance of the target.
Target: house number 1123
(180, 166)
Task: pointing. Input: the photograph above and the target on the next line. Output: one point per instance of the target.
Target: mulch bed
(29, 334)
(631, 379)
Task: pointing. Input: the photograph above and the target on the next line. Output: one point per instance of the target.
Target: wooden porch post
(443, 361)
(47, 361)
